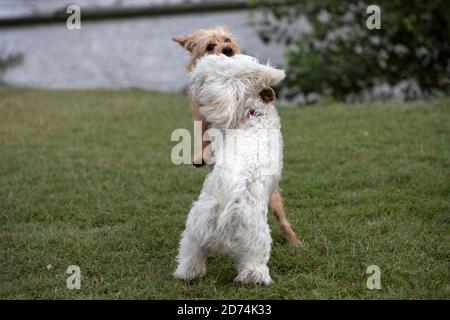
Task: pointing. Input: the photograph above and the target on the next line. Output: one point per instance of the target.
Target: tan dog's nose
(228, 51)
(267, 95)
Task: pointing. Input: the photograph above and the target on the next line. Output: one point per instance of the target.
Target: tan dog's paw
(198, 162)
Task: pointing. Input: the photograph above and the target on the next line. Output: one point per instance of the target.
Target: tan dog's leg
(200, 145)
(276, 205)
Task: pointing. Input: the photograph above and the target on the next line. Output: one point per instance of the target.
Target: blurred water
(119, 53)
(14, 8)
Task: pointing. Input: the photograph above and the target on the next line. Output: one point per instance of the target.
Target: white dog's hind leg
(191, 259)
(252, 263)
(192, 253)
(254, 272)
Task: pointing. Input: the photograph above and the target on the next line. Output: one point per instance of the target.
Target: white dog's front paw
(190, 271)
(254, 274)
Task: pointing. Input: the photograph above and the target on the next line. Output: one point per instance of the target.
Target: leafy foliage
(10, 61)
(340, 56)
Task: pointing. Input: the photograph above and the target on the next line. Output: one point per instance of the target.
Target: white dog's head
(226, 88)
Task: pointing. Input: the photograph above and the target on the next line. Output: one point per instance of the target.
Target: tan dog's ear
(186, 42)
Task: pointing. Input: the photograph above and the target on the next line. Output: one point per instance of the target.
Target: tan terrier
(218, 40)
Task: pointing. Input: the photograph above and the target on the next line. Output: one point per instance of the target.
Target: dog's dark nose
(227, 51)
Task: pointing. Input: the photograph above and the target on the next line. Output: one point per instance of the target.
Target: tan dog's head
(216, 40)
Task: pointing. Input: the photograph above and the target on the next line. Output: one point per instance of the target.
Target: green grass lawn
(86, 179)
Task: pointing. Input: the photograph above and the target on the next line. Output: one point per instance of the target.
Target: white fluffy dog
(230, 215)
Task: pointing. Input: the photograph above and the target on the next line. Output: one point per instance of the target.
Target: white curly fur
(230, 215)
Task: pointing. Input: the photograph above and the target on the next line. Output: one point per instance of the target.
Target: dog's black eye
(227, 40)
(210, 47)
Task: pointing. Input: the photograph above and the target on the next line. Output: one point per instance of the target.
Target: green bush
(341, 57)
(9, 61)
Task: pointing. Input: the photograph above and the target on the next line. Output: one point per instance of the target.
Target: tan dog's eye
(210, 47)
(227, 40)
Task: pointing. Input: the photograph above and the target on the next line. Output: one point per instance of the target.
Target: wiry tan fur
(196, 44)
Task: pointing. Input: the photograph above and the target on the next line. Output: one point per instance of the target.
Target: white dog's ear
(217, 101)
(216, 93)
(269, 76)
